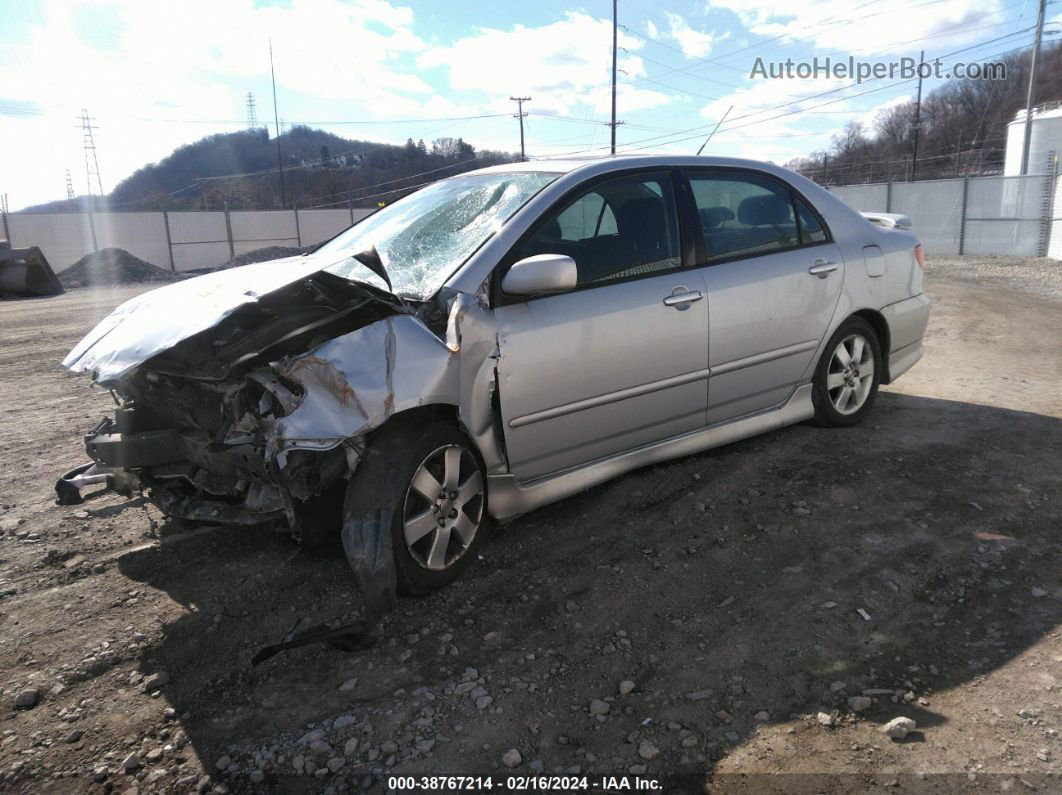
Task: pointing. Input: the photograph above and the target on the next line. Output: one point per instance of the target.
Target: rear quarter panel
(891, 279)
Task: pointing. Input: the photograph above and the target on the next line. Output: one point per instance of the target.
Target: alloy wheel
(850, 376)
(443, 508)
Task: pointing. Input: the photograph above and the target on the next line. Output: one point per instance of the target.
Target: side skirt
(509, 498)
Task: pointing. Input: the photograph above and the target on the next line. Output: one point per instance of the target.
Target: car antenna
(706, 140)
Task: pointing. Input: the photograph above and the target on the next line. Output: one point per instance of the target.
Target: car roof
(599, 164)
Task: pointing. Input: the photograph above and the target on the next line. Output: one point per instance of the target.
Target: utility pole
(69, 185)
(613, 123)
(918, 117)
(92, 164)
(276, 121)
(252, 115)
(520, 115)
(1030, 96)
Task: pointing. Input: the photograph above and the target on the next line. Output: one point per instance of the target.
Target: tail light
(920, 256)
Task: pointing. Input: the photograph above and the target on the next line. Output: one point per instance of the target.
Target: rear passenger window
(622, 228)
(742, 214)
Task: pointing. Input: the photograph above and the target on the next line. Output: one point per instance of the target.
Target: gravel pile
(113, 266)
(262, 255)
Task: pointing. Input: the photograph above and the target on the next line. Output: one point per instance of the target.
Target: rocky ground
(751, 618)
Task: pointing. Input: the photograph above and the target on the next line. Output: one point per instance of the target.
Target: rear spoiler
(888, 220)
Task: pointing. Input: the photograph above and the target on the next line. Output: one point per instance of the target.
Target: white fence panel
(864, 198)
(141, 234)
(1006, 214)
(200, 239)
(935, 209)
(261, 228)
(318, 225)
(995, 236)
(1007, 198)
(1054, 249)
(63, 237)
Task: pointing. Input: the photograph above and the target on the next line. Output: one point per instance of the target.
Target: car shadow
(753, 584)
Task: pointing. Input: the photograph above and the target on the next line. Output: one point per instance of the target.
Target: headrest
(711, 217)
(764, 210)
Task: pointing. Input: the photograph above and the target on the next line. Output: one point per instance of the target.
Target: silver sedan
(497, 341)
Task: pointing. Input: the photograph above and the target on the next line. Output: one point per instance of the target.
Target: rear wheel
(847, 377)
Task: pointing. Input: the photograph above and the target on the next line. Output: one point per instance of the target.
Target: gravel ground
(1038, 276)
(752, 618)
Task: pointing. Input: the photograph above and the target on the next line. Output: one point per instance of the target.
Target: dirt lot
(736, 595)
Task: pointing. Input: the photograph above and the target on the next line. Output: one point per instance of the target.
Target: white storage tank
(1046, 138)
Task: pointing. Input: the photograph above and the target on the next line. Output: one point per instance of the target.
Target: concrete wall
(178, 240)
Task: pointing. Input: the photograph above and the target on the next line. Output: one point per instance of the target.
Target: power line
(824, 93)
(704, 128)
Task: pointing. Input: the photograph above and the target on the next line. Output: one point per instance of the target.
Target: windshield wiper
(370, 258)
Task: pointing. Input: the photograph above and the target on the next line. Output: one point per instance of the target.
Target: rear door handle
(822, 268)
(684, 299)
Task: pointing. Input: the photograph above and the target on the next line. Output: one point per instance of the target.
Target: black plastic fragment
(355, 636)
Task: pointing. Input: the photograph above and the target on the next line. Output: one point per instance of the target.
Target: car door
(773, 276)
(618, 362)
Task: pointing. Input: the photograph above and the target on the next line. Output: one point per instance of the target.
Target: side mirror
(542, 273)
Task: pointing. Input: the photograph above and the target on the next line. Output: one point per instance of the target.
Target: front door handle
(682, 300)
(822, 268)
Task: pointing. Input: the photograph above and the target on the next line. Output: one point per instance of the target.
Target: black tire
(827, 413)
(394, 456)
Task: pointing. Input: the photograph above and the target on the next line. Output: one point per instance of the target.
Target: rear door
(773, 276)
(621, 360)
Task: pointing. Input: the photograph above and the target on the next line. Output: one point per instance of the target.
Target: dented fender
(356, 382)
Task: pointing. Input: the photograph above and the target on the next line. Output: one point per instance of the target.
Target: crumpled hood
(157, 320)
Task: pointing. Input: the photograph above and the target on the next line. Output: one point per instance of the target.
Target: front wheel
(442, 514)
(848, 374)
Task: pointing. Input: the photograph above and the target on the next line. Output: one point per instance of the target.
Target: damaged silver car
(497, 341)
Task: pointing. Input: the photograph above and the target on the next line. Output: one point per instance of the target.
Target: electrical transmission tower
(520, 115)
(252, 115)
(69, 185)
(88, 143)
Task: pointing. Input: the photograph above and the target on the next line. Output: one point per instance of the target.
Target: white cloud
(561, 65)
(693, 43)
(835, 25)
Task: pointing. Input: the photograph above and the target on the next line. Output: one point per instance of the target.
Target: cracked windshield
(426, 236)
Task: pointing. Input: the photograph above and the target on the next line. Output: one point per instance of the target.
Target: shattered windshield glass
(426, 236)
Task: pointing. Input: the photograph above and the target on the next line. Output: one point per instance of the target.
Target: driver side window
(622, 228)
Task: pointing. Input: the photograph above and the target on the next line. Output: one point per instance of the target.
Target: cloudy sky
(157, 74)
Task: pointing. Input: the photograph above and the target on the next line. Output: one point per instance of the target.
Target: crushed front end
(198, 426)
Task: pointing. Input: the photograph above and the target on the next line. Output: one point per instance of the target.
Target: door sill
(508, 498)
